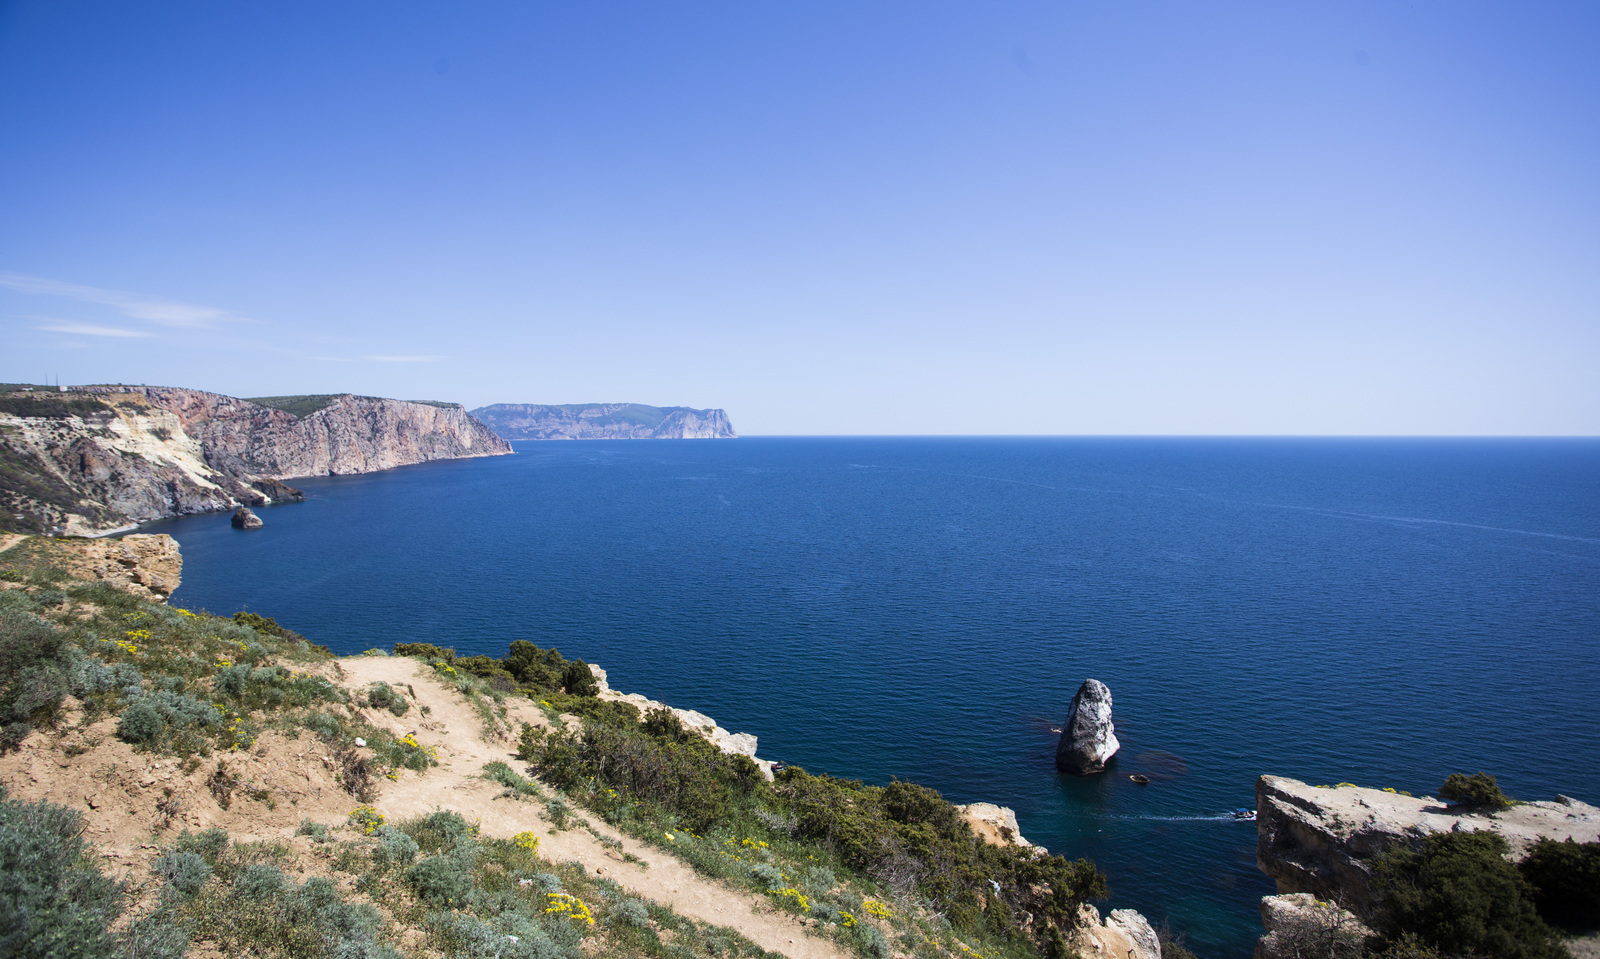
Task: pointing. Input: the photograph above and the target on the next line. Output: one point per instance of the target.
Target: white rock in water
(1088, 738)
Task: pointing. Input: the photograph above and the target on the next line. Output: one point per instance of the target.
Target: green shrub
(440, 880)
(210, 845)
(35, 669)
(384, 696)
(54, 902)
(395, 846)
(578, 680)
(259, 880)
(1461, 896)
(1479, 790)
(184, 871)
(630, 912)
(141, 724)
(438, 830)
(425, 651)
(1565, 877)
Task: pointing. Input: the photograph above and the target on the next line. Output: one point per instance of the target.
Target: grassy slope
(253, 730)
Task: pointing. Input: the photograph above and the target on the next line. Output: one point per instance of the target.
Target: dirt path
(455, 729)
(8, 540)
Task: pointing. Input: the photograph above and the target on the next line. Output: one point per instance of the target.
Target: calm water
(1378, 611)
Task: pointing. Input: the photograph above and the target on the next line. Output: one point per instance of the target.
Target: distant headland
(604, 421)
(98, 459)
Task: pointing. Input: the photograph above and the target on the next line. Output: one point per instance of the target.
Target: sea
(1377, 611)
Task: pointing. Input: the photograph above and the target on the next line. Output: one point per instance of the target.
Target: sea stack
(1088, 739)
(245, 518)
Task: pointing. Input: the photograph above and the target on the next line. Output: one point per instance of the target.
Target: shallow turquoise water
(1374, 611)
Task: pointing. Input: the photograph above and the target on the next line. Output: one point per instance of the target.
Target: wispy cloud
(405, 359)
(90, 329)
(136, 305)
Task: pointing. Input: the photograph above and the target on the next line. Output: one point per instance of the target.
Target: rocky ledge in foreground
(1323, 840)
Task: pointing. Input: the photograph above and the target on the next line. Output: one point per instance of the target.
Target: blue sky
(1066, 217)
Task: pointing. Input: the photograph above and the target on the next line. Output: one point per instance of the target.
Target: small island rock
(1088, 739)
(245, 518)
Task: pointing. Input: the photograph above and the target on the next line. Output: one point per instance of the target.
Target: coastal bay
(1324, 609)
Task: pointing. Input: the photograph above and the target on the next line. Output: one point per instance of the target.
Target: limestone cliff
(108, 457)
(1323, 840)
(604, 421)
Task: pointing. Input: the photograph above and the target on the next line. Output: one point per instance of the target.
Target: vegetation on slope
(296, 406)
(881, 869)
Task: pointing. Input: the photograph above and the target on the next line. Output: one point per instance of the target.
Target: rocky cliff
(1323, 840)
(604, 421)
(107, 457)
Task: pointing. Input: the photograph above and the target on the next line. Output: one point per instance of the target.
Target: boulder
(244, 518)
(1088, 738)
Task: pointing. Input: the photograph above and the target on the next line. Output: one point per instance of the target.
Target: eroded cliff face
(604, 421)
(105, 458)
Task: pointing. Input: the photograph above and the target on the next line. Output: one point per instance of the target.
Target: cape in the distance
(604, 421)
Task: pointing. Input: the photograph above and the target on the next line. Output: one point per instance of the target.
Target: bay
(1383, 612)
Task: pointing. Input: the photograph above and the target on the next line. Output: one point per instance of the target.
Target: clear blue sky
(826, 217)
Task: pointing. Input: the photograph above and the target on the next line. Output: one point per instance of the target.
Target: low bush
(36, 666)
(1480, 790)
(54, 901)
(185, 872)
(1461, 896)
(440, 880)
(384, 696)
(1565, 877)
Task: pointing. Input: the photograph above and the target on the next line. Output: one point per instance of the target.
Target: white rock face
(1088, 738)
(1322, 840)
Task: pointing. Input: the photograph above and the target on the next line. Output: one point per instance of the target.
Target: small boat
(1244, 815)
(1141, 780)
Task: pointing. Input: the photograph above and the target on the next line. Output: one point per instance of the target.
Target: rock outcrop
(1300, 924)
(996, 825)
(738, 744)
(146, 565)
(245, 518)
(99, 459)
(1088, 738)
(1124, 934)
(1323, 840)
(604, 421)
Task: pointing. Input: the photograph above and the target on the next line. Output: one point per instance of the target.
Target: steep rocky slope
(107, 457)
(604, 421)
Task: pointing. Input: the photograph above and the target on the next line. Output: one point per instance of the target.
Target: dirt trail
(454, 728)
(8, 540)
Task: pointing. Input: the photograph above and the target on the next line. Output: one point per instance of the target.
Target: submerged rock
(245, 518)
(1088, 738)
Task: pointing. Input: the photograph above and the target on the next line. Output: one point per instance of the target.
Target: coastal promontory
(604, 421)
(100, 458)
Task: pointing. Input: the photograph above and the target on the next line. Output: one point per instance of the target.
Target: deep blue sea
(1382, 612)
